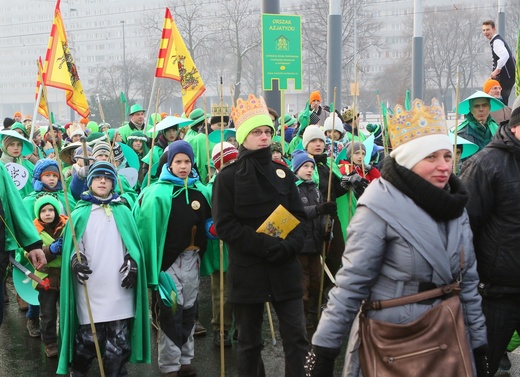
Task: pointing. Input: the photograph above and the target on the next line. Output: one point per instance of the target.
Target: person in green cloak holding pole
(110, 263)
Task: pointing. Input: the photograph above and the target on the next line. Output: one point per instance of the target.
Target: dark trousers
(502, 319)
(249, 319)
(507, 87)
(4, 259)
(48, 315)
(113, 338)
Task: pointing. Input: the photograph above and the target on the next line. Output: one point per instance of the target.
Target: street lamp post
(124, 61)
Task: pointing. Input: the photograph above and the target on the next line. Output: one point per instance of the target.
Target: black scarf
(441, 204)
(252, 165)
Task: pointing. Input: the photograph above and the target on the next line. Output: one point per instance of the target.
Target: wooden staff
(457, 99)
(383, 122)
(327, 218)
(76, 247)
(207, 139)
(153, 136)
(111, 143)
(221, 246)
(354, 126)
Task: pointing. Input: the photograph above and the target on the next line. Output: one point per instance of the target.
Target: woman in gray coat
(409, 228)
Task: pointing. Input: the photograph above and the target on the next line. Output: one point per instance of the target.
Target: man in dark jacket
(262, 268)
(493, 180)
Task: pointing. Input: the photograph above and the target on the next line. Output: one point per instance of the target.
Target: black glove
(481, 361)
(129, 271)
(327, 208)
(56, 246)
(81, 269)
(320, 362)
(278, 254)
(355, 182)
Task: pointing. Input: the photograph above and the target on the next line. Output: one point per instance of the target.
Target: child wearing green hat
(50, 225)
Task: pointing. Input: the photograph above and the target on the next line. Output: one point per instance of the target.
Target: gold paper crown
(420, 121)
(245, 110)
(218, 110)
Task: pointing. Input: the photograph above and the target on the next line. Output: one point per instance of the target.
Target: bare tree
(314, 40)
(453, 43)
(241, 20)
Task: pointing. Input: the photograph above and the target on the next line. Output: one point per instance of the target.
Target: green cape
(140, 327)
(20, 228)
(152, 217)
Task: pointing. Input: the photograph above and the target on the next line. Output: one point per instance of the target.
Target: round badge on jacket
(195, 205)
(280, 173)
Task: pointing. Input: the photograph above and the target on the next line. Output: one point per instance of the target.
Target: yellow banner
(59, 69)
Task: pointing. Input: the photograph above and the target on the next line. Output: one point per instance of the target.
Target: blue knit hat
(102, 169)
(180, 146)
(299, 158)
(42, 166)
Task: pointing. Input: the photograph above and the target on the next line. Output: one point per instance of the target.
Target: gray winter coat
(392, 244)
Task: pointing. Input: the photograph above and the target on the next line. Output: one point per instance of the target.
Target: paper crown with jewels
(419, 121)
(249, 114)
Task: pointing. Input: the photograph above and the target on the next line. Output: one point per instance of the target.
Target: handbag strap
(453, 288)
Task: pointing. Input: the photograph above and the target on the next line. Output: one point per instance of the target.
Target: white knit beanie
(413, 151)
(311, 133)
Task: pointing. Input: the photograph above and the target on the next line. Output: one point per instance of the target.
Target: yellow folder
(279, 223)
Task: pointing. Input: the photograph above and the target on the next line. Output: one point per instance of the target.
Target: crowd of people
(111, 213)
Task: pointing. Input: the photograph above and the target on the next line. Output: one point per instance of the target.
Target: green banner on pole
(281, 50)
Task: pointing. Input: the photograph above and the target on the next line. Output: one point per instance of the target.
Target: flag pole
(221, 247)
(207, 140)
(329, 188)
(151, 100)
(153, 136)
(457, 99)
(38, 98)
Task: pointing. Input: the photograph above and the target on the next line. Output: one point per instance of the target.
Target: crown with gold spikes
(245, 110)
(421, 120)
(220, 110)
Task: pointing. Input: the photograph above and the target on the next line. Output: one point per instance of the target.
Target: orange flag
(60, 71)
(43, 109)
(174, 62)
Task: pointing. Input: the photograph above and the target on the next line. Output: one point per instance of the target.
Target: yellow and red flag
(60, 71)
(175, 62)
(43, 109)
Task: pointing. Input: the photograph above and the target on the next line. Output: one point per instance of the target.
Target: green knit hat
(44, 199)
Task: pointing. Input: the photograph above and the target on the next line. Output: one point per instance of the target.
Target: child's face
(315, 147)
(102, 157)
(358, 156)
(181, 165)
(277, 155)
(47, 214)
(50, 180)
(137, 145)
(305, 171)
(101, 186)
(457, 156)
(233, 140)
(14, 149)
(75, 138)
(337, 135)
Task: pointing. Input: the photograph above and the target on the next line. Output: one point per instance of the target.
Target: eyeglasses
(257, 132)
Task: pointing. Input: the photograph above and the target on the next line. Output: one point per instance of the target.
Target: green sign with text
(281, 50)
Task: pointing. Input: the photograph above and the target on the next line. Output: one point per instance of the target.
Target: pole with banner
(282, 56)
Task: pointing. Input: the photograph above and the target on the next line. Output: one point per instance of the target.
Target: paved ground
(23, 356)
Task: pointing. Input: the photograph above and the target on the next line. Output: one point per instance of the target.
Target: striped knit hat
(230, 153)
